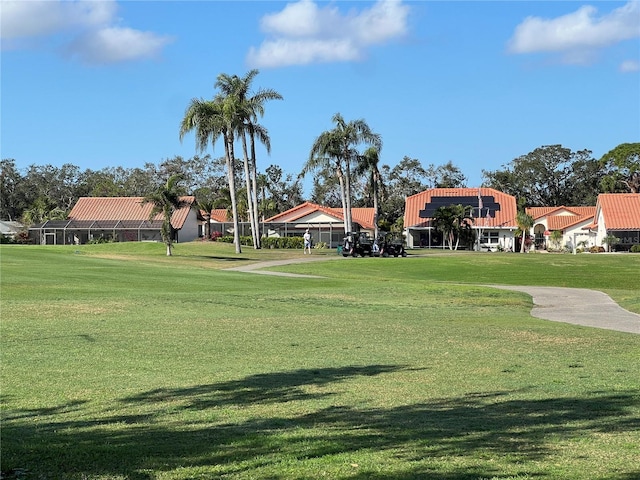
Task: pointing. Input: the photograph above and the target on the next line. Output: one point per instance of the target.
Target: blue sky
(102, 84)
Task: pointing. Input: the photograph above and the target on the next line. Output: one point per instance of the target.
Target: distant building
(121, 219)
(326, 224)
(10, 229)
(617, 214)
(571, 221)
(494, 217)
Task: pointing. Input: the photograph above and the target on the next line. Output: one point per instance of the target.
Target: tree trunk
(375, 208)
(232, 191)
(348, 194)
(247, 179)
(254, 183)
(343, 198)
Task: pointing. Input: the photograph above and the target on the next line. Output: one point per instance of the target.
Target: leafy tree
(11, 192)
(407, 178)
(326, 188)
(281, 191)
(452, 221)
(525, 222)
(166, 200)
(339, 146)
(621, 169)
(543, 177)
(447, 176)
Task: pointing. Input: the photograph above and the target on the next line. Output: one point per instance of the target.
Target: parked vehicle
(391, 244)
(357, 243)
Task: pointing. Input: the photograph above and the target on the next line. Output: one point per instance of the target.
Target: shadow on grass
(469, 429)
(279, 387)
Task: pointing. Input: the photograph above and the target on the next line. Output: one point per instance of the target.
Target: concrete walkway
(578, 306)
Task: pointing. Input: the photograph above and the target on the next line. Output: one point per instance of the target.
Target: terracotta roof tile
(123, 209)
(361, 216)
(220, 215)
(505, 217)
(560, 218)
(539, 212)
(621, 211)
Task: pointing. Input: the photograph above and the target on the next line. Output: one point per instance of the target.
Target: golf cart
(391, 244)
(357, 243)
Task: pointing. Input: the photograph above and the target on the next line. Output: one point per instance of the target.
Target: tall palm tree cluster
(232, 115)
(337, 150)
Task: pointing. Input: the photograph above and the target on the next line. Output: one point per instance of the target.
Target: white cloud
(303, 33)
(577, 34)
(116, 44)
(21, 19)
(87, 29)
(630, 66)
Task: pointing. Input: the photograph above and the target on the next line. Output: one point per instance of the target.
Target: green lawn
(118, 362)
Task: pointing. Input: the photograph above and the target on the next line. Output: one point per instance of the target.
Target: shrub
(283, 242)
(597, 250)
(215, 236)
(244, 240)
(635, 249)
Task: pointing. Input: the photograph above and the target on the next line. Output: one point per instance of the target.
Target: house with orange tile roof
(617, 214)
(326, 224)
(568, 220)
(120, 219)
(494, 217)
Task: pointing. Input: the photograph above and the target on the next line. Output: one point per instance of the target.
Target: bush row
(269, 242)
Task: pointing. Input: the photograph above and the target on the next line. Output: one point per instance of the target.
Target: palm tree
(451, 220)
(556, 238)
(251, 107)
(211, 120)
(166, 200)
(525, 222)
(42, 210)
(369, 164)
(206, 206)
(340, 146)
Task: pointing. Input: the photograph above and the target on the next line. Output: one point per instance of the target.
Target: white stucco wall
(190, 229)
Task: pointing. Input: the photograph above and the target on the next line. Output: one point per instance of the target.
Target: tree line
(345, 162)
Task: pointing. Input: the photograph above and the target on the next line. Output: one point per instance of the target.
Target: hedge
(269, 242)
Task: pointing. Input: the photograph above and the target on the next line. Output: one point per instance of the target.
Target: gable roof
(218, 215)
(124, 209)
(362, 216)
(504, 217)
(560, 218)
(621, 211)
(539, 212)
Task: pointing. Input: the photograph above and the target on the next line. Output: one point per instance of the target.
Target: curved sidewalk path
(578, 306)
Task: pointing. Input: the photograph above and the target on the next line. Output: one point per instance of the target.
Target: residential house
(326, 224)
(571, 221)
(617, 214)
(494, 217)
(10, 229)
(121, 219)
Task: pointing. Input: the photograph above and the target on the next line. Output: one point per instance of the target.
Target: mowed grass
(121, 363)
